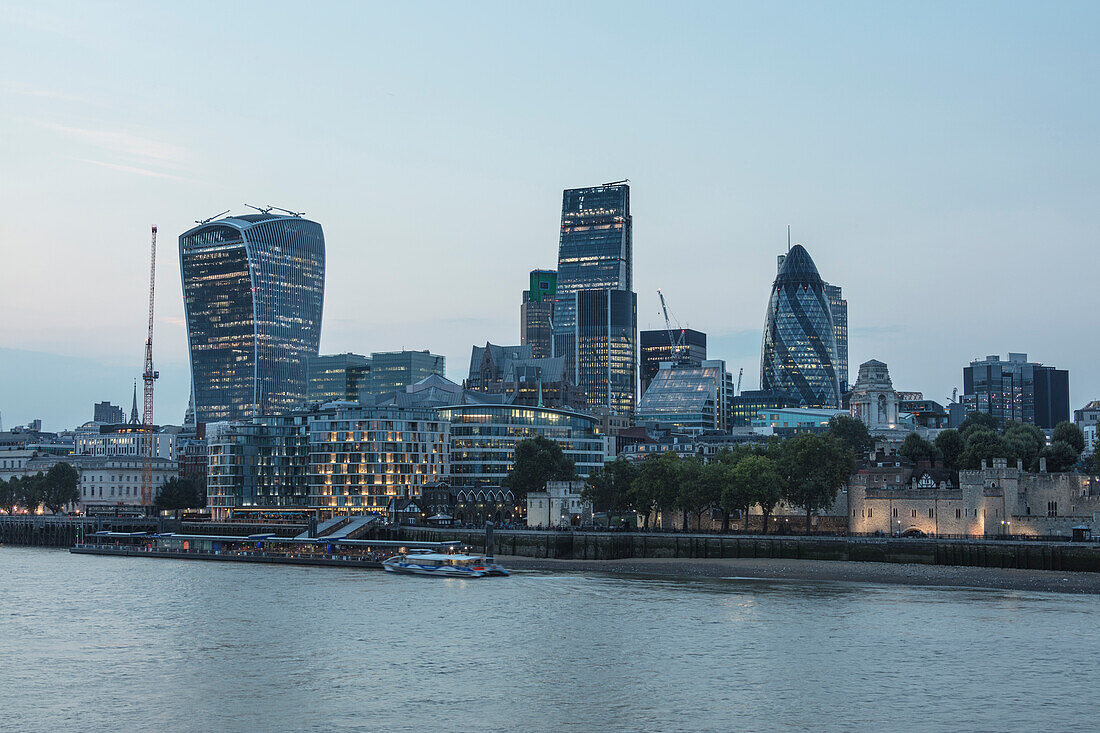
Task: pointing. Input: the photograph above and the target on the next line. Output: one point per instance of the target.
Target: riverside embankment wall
(618, 546)
(56, 531)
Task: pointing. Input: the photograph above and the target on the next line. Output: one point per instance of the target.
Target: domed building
(874, 400)
(799, 352)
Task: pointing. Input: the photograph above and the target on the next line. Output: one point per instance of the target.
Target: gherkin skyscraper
(799, 356)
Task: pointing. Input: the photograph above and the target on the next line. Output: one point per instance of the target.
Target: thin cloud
(136, 170)
(123, 143)
(26, 90)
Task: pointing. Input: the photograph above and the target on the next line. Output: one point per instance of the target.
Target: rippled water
(100, 643)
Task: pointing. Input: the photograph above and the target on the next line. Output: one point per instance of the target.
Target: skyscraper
(536, 311)
(595, 311)
(799, 350)
(253, 290)
(838, 306)
(606, 359)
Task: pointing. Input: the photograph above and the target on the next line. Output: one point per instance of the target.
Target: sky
(938, 160)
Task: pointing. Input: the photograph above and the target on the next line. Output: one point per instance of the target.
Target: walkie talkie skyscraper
(253, 291)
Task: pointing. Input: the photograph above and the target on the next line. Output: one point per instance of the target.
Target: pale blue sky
(939, 161)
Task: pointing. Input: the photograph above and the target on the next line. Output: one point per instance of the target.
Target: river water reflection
(98, 643)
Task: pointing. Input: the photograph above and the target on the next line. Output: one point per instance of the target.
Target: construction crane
(149, 376)
(739, 375)
(674, 342)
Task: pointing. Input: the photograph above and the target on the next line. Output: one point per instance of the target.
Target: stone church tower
(874, 400)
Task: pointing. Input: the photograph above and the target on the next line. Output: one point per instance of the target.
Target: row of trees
(982, 437)
(55, 489)
(805, 471)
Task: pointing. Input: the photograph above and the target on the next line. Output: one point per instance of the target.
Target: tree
(983, 444)
(609, 488)
(30, 492)
(1061, 457)
(716, 477)
(1025, 442)
(755, 480)
(1071, 434)
(979, 420)
(1094, 463)
(815, 468)
(537, 460)
(852, 433)
(916, 448)
(656, 484)
(951, 446)
(176, 494)
(693, 494)
(9, 495)
(60, 487)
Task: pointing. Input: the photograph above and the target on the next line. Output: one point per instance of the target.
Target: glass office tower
(799, 351)
(595, 265)
(253, 290)
(838, 306)
(536, 312)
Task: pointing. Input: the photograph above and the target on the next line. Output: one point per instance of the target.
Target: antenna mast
(148, 376)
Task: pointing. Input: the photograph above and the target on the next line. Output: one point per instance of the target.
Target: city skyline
(926, 204)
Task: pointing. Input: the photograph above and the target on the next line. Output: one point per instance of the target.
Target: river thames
(104, 643)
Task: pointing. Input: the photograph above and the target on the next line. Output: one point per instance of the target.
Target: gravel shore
(825, 570)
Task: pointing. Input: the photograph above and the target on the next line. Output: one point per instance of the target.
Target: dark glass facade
(798, 356)
(253, 291)
(594, 259)
(655, 347)
(838, 306)
(336, 377)
(1018, 390)
(606, 353)
(537, 311)
(751, 402)
(393, 371)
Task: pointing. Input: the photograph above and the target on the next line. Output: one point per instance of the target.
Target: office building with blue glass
(595, 311)
(253, 291)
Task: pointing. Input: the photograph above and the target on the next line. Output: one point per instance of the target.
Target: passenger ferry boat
(444, 565)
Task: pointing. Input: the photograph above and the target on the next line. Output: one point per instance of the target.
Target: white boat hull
(442, 571)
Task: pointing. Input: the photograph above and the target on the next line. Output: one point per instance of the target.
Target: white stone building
(874, 400)
(106, 483)
(560, 505)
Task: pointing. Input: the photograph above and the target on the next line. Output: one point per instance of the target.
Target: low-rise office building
(484, 438)
(689, 397)
(122, 440)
